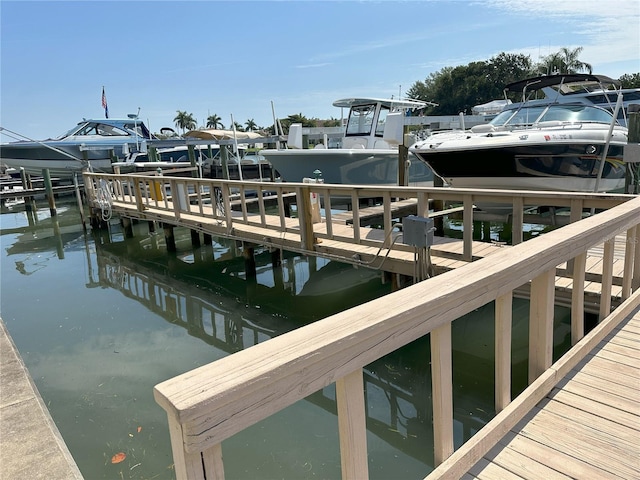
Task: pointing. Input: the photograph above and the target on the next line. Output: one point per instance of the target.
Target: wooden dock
(586, 425)
(593, 255)
(259, 213)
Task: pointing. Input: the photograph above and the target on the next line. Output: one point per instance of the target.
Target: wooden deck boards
(586, 427)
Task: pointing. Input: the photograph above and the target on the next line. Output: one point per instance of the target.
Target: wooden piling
(195, 238)
(127, 224)
(49, 188)
(79, 199)
(169, 238)
(29, 202)
(249, 262)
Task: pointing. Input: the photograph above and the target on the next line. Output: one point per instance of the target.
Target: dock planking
(586, 427)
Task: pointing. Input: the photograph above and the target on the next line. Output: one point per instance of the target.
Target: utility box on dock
(417, 231)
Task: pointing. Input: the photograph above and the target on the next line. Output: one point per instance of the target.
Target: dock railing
(209, 404)
(186, 198)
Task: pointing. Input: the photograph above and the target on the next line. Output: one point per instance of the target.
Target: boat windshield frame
(109, 129)
(526, 116)
(362, 118)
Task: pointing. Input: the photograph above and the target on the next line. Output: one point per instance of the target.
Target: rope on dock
(104, 199)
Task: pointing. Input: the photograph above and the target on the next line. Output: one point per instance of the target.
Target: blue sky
(237, 57)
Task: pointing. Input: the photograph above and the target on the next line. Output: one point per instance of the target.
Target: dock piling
(49, 188)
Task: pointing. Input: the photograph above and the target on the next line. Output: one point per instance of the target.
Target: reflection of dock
(397, 412)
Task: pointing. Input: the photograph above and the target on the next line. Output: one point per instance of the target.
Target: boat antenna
(275, 122)
(235, 147)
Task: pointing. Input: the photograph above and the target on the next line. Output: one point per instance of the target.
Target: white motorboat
(369, 148)
(91, 144)
(533, 145)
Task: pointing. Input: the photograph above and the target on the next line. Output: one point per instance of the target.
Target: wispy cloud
(314, 65)
(608, 31)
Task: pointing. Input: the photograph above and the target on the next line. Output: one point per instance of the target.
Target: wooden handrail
(137, 189)
(209, 404)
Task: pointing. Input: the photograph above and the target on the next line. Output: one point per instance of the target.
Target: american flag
(104, 104)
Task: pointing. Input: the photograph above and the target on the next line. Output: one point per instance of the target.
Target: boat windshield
(127, 129)
(360, 120)
(527, 116)
(102, 129)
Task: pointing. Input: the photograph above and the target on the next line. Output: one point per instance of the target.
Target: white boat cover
(217, 134)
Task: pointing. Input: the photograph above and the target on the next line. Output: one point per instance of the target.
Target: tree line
(452, 89)
(459, 89)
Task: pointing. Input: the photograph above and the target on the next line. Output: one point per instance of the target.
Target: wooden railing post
(305, 219)
(577, 298)
(635, 283)
(541, 323)
(504, 313)
(355, 208)
(188, 466)
(226, 200)
(352, 426)
(442, 393)
(517, 221)
(138, 196)
(467, 228)
(629, 258)
(607, 278)
(386, 219)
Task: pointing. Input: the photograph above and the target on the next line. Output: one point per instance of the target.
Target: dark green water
(100, 319)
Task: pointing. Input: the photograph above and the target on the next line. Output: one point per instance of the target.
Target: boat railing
(210, 404)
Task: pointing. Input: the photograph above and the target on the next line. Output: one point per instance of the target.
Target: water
(99, 319)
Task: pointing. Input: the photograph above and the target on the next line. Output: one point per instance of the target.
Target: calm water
(100, 319)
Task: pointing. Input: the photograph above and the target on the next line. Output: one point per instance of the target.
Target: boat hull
(35, 157)
(346, 166)
(540, 161)
(91, 145)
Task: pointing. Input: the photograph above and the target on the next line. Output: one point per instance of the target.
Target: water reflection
(398, 399)
(133, 315)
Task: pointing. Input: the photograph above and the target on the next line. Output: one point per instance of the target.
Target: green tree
(185, 121)
(564, 61)
(250, 125)
(214, 121)
(238, 127)
(459, 89)
(630, 80)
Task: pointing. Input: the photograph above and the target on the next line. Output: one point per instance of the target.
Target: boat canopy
(217, 134)
(387, 102)
(538, 83)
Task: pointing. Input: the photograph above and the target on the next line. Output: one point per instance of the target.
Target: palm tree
(251, 125)
(238, 127)
(565, 61)
(214, 121)
(185, 121)
(571, 62)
